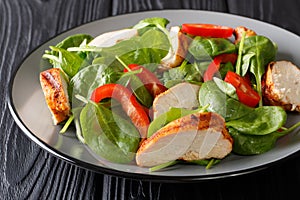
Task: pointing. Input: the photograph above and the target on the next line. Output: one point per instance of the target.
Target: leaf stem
(290, 129)
(240, 54)
(67, 124)
(162, 166)
(210, 164)
(122, 62)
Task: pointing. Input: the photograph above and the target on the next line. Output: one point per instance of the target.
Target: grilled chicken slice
(111, 38)
(192, 137)
(182, 95)
(55, 91)
(180, 43)
(281, 85)
(238, 33)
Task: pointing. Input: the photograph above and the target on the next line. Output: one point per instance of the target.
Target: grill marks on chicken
(282, 85)
(193, 137)
(55, 91)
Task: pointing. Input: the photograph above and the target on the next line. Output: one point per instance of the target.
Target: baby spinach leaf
(167, 117)
(157, 22)
(71, 41)
(88, 79)
(190, 72)
(74, 41)
(258, 51)
(246, 144)
(219, 102)
(263, 120)
(227, 88)
(67, 61)
(225, 68)
(246, 62)
(107, 134)
(138, 88)
(122, 48)
(153, 21)
(156, 45)
(203, 48)
(148, 48)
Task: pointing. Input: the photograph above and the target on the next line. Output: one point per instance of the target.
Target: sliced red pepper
(246, 94)
(150, 81)
(207, 30)
(128, 102)
(214, 66)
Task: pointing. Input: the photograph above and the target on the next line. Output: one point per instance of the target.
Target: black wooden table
(29, 172)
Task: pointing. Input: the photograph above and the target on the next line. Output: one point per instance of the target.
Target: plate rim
(115, 172)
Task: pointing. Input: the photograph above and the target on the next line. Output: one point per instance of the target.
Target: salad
(156, 96)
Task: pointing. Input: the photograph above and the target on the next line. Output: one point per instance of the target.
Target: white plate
(27, 104)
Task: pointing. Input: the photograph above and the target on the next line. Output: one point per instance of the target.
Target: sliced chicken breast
(192, 137)
(281, 85)
(238, 33)
(111, 38)
(180, 43)
(182, 95)
(55, 91)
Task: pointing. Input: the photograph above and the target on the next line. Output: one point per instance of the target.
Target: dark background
(29, 172)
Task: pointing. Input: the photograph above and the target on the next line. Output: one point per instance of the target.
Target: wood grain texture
(28, 172)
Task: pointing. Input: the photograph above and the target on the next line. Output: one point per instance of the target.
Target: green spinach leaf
(245, 144)
(171, 115)
(229, 108)
(108, 135)
(227, 88)
(67, 61)
(203, 48)
(154, 22)
(88, 79)
(74, 41)
(190, 72)
(257, 52)
(138, 88)
(263, 120)
(148, 48)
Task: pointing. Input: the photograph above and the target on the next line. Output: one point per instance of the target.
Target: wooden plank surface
(28, 172)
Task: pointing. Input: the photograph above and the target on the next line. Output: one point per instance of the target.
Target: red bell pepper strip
(150, 81)
(207, 30)
(128, 102)
(214, 66)
(246, 94)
